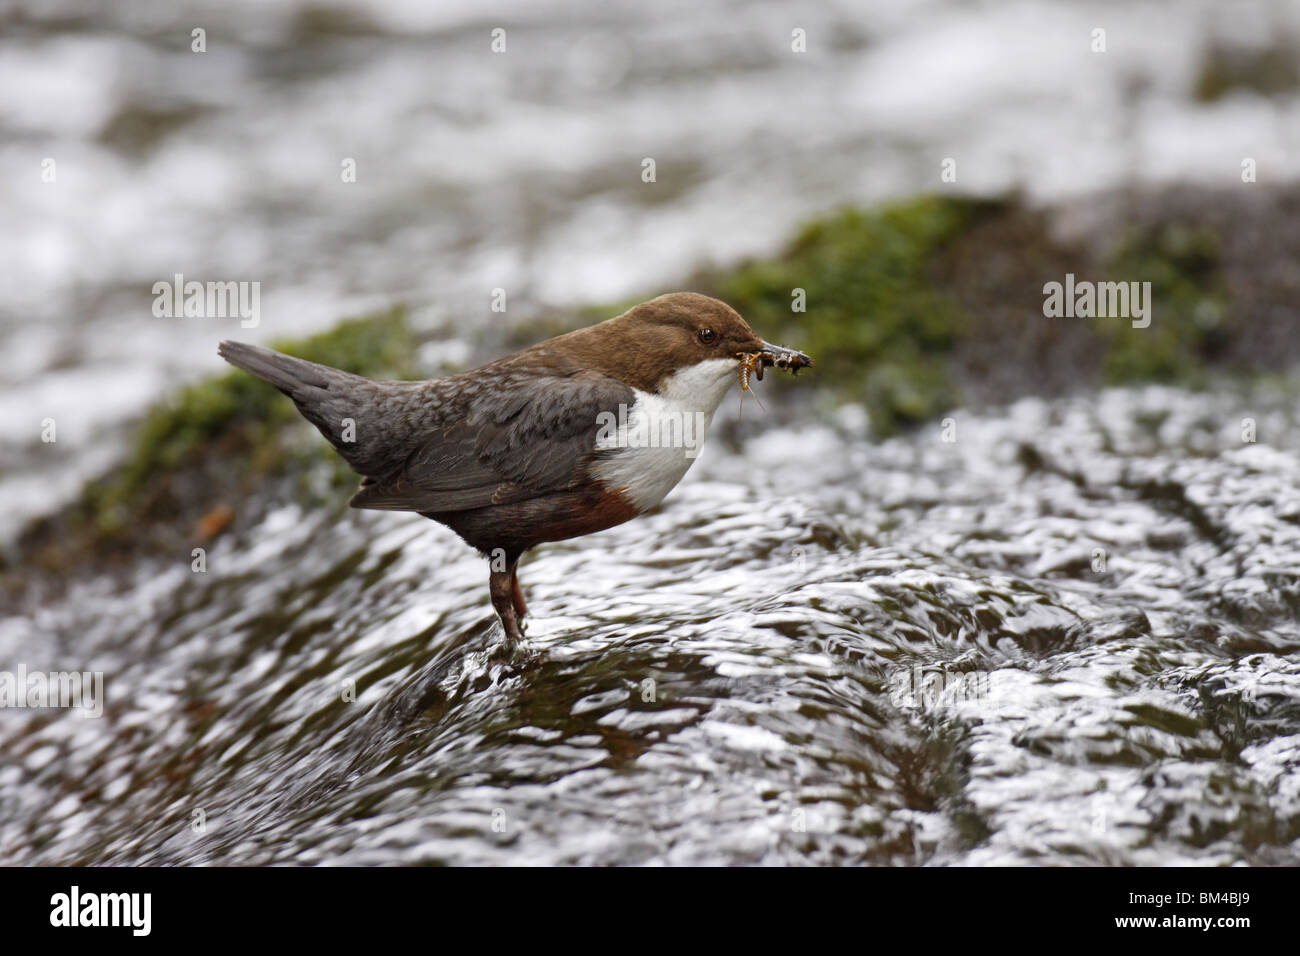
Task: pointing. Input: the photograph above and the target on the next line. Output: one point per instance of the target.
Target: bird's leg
(502, 587)
(517, 595)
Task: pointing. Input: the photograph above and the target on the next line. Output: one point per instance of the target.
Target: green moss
(1188, 306)
(885, 325)
(874, 323)
(239, 418)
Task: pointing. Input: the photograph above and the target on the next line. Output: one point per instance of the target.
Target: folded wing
(522, 435)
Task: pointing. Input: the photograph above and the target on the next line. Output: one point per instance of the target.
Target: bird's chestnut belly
(516, 527)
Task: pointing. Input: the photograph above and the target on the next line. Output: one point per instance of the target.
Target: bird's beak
(782, 358)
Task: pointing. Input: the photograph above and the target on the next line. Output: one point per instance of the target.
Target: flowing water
(1067, 635)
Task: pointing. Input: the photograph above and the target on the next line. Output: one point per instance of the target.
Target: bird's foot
(508, 601)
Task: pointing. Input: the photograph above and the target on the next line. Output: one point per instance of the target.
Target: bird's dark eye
(707, 336)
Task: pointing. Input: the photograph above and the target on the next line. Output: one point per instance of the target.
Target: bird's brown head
(651, 342)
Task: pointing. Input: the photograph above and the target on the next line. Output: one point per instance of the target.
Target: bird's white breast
(658, 438)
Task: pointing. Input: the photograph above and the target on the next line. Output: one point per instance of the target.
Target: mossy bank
(910, 309)
(200, 453)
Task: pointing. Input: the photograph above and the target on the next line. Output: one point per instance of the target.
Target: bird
(573, 435)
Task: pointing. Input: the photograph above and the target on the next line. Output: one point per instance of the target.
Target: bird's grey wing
(520, 436)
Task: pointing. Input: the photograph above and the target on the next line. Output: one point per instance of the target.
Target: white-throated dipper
(570, 436)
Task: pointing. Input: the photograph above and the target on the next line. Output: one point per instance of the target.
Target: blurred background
(1070, 511)
(522, 170)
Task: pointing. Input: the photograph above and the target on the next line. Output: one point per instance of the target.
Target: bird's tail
(346, 408)
(290, 375)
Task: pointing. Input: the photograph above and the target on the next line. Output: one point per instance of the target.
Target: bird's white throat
(653, 443)
(702, 385)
